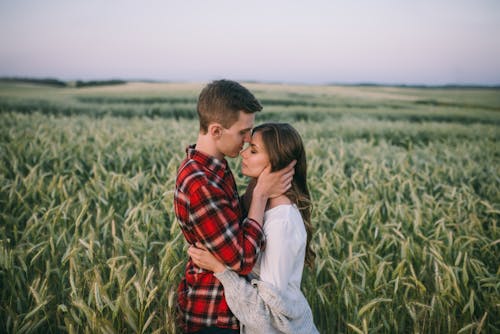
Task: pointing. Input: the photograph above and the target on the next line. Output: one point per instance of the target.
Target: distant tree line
(60, 83)
(98, 83)
(44, 81)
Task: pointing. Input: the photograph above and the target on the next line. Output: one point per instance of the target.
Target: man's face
(232, 140)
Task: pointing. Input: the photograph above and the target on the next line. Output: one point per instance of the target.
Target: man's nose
(243, 152)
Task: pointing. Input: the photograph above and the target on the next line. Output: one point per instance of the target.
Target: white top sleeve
(261, 308)
(278, 260)
(283, 259)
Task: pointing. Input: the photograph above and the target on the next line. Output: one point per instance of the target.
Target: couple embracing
(246, 254)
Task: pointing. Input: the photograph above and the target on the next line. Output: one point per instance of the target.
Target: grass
(406, 206)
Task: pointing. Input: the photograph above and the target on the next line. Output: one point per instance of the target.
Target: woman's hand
(274, 184)
(204, 259)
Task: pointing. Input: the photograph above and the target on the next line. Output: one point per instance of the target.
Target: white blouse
(274, 303)
(282, 261)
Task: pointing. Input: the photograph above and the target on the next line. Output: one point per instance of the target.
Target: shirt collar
(217, 166)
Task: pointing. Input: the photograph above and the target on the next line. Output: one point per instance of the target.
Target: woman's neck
(280, 200)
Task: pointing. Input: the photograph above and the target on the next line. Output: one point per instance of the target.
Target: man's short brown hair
(220, 102)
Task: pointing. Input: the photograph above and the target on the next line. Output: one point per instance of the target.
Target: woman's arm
(259, 306)
(243, 298)
(262, 308)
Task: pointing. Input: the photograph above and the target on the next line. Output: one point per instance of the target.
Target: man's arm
(246, 198)
(217, 227)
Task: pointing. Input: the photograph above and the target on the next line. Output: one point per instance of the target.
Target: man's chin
(233, 155)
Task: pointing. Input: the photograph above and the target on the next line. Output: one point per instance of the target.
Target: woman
(273, 303)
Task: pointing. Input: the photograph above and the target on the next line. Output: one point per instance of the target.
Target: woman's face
(255, 157)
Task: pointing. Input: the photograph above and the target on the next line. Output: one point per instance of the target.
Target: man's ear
(215, 130)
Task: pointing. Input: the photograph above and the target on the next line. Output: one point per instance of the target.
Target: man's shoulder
(191, 175)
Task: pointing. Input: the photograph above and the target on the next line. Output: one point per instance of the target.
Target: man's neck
(205, 145)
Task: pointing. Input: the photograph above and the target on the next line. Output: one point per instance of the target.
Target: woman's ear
(215, 130)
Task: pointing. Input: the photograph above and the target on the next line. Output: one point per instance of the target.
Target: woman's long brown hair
(283, 145)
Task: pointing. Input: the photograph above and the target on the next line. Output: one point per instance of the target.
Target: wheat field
(405, 184)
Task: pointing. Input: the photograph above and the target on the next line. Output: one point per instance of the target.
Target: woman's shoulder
(282, 211)
(284, 217)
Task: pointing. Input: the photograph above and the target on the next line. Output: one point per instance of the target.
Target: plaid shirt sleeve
(218, 227)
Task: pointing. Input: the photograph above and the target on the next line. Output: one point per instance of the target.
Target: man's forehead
(246, 116)
(245, 121)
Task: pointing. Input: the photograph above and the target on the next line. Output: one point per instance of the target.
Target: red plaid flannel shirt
(208, 209)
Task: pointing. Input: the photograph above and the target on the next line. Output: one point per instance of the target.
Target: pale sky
(314, 41)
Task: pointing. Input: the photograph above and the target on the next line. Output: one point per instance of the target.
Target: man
(208, 208)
